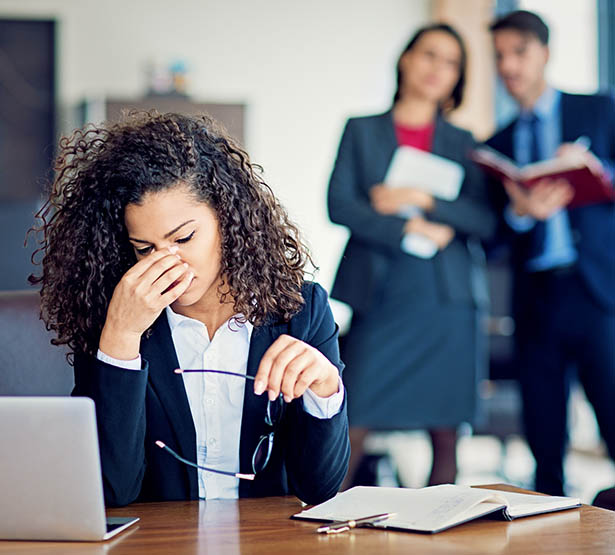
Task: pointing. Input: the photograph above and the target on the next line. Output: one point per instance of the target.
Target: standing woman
(412, 349)
(163, 250)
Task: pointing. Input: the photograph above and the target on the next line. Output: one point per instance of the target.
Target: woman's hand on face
(139, 298)
(390, 200)
(291, 366)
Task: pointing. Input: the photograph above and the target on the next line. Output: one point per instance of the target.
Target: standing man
(563, 258)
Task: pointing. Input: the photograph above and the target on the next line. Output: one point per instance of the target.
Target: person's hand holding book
(396, 200)
(580, 153)
(540, 201)
(391, 200)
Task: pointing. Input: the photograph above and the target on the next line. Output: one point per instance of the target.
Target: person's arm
(119, 397)
(319, 450)
(608, 160)
(324, 407)
(350, 206)
(519, 224)
(316, 449)
(119, 392)
(471, 212)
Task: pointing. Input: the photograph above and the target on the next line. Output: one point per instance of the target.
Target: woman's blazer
(136, 408)
(364, 155)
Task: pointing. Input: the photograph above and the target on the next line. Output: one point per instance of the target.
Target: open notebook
(432, 509)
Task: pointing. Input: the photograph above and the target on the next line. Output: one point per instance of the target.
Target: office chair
(29, 363)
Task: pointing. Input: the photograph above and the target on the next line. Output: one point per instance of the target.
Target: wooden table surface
(257, 526)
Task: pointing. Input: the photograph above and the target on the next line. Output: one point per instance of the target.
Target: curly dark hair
(100, 170)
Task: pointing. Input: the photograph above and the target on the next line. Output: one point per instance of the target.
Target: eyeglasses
(264, 447)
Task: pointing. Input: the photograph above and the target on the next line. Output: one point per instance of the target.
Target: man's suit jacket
(365, 152)
(593, 227)
(136, 408)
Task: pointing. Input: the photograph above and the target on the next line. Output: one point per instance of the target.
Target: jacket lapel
(159, 351)
(570, 133)
(382, 145)
(254, 406)
(440, 138)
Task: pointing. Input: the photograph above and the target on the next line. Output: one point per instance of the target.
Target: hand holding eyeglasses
(288, 367)
(291, 366)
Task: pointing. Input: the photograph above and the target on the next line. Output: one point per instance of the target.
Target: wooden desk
(262, 526)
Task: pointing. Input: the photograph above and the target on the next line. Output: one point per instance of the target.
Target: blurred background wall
(299, 67)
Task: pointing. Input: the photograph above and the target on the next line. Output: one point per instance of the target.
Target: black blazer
(593, 227)
(136, 408)
(364, 155)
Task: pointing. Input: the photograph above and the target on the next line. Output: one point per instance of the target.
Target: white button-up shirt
(216, 400)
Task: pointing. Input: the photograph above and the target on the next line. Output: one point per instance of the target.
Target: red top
(418, 137)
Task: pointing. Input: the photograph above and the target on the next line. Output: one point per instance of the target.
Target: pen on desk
(337, 527)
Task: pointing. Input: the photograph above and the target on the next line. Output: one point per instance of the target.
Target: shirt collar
(176, 320)
(545, 107)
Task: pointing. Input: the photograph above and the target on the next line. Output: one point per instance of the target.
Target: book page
(426, 509)
(490, 158)
(550, 166)
(523, 504)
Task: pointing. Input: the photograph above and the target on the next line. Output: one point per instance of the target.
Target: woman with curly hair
(162, 250)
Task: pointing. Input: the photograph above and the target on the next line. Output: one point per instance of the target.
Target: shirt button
(212, 442)
(211, 402)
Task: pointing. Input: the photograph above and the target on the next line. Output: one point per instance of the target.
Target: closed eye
(185, 239)
(143, 251)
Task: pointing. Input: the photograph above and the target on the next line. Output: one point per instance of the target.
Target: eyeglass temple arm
(186, 370)
(185, 461)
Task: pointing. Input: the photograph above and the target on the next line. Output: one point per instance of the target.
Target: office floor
(485, 459)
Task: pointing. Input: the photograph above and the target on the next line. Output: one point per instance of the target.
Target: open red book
(589, 187)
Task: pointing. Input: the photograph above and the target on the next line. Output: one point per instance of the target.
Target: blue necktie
(538, 238)
(534, 149)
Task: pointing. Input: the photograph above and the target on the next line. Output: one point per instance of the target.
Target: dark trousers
(560, 326)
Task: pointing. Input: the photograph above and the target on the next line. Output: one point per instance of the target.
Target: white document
(419, 245)
(438, 176)
(433, 174)
(415, 243)
(432, 509)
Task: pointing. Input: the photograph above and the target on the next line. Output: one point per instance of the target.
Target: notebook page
(523, 504)
(425, 509)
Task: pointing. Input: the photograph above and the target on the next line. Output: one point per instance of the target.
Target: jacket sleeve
(471, 213)
(119, 397)
(608, 160)
(318, 449)
(349, 203)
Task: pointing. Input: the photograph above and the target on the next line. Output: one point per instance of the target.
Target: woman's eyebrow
(166, 235)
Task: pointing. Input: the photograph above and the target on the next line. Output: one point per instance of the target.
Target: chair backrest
(29, 363)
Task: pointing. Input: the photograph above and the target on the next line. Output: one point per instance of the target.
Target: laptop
(50, 478)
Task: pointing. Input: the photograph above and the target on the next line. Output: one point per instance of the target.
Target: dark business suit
(414, 320)
(567, 315)
(136, 408)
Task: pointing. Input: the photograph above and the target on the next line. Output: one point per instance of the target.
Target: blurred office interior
(283, 77)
